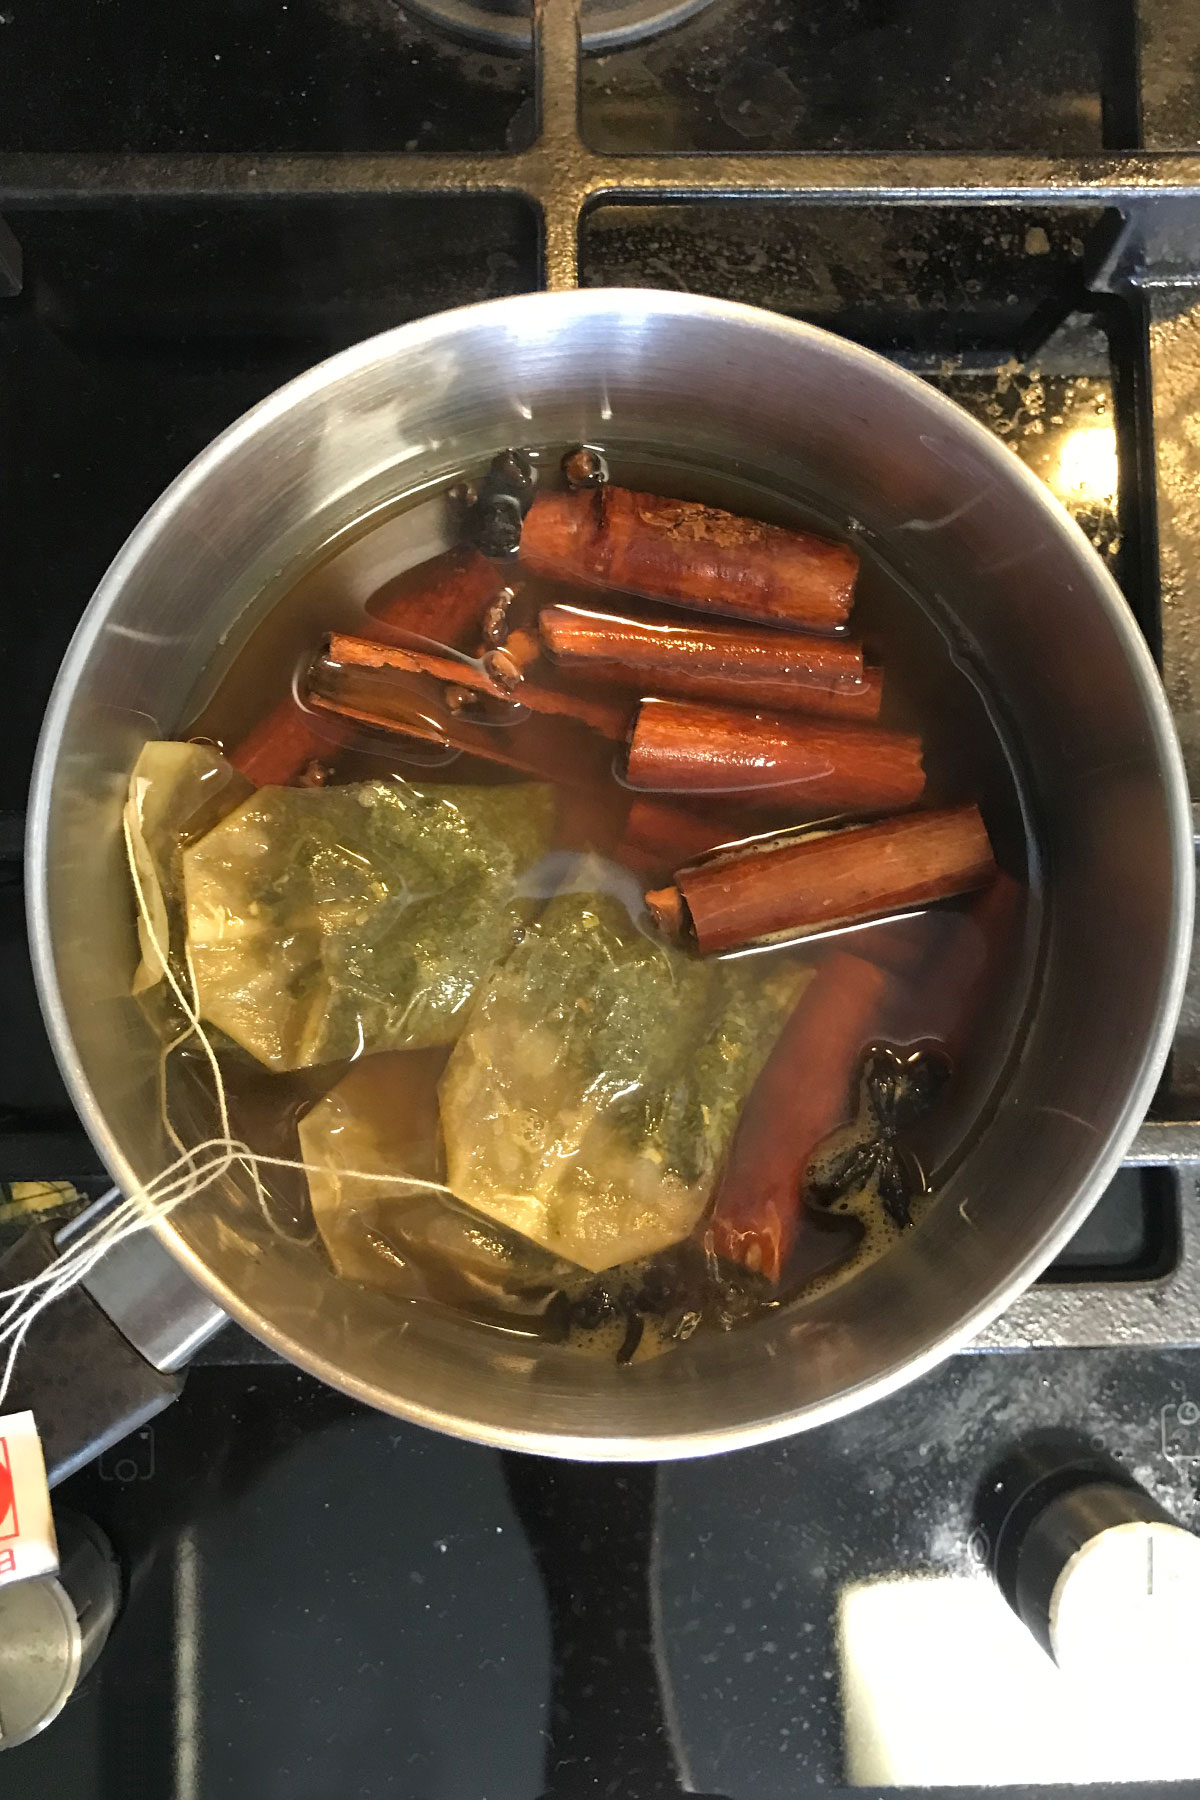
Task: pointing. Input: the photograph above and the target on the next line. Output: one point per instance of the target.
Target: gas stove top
(197, 203)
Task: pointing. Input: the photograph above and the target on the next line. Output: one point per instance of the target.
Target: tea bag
(329, 923)
(592, 1097)
(386, 1233)
(177, 792)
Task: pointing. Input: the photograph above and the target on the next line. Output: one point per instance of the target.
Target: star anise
(669, 1295)
(504, 497)
(896, 1088)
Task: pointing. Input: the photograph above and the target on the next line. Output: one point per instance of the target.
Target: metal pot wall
(1021, 595)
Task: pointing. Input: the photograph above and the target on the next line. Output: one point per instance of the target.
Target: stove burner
(604, 24)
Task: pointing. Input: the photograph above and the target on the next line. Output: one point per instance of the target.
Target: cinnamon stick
(658, 835)
(739, 664)
(505, 682)
(686, 747)
(803, 885)
(665, 906)
(805, 1091)
(520, 652)
(960, 968)
(283, 743)
(407, 706)
(445, 602)
(690, 555)
(902, 946)
(459, 671)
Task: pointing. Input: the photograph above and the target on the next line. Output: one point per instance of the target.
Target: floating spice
(585, 467)
(638, 1310)
(504, 497)
(896, 1088)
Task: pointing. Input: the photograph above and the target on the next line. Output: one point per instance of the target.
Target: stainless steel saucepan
(1021, 594)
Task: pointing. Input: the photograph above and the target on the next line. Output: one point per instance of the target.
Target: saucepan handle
(104, 1357)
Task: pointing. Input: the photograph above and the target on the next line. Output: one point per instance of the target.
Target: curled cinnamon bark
(685, 747)
(690, 555)
(445, 602)
(402, 706)
(666, 908)
(789, 671)
(803, 1094)
(484, 678)
(798, 886)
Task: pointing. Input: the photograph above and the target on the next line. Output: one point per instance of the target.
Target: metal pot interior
(1010, 579)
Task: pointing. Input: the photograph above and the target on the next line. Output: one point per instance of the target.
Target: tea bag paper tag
(27, 1542)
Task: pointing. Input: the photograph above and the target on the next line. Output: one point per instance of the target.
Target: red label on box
(27, 1543)
(9, 1526)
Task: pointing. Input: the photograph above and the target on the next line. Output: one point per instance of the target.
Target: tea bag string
(194, 1171)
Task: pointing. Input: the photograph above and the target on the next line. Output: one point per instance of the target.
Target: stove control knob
(1096, 1569)
(1105, 1574)
(53, 1627)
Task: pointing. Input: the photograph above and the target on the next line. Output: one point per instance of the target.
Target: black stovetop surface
(321, 1600)
(326, 1602)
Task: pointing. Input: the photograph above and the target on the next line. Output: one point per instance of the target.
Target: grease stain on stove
(858, 75)
(1061, 424)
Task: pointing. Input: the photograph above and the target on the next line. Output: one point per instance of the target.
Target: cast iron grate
(201, 247)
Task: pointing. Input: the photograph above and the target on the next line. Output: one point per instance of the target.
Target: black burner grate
(209, 200)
